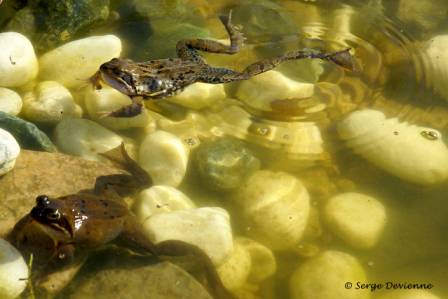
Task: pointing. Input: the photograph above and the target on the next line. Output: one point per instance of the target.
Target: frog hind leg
(177, 248)
(223, 75)
(122, 184)
(187, 48)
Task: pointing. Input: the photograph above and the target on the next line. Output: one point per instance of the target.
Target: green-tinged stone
(179, 10)
(27, 134)
(263, 21)
(162, 43)
(49, 23)
(224, 163)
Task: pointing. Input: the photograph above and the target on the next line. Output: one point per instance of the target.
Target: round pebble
(9, 151)
(18, 62)
(10, 101)
(13, 271)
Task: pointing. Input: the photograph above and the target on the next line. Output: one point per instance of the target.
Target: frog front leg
(187, 48)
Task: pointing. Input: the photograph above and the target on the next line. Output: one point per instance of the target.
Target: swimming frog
(161, 78)
(91, 219)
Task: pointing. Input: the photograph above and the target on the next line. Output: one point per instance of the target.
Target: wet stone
(27, 134)
(50, 23)
(224, 163)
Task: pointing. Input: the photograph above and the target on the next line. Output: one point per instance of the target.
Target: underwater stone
(165, 157)
(223, 164)
(275, 208)
(325, 275)
(437, 63)
(263, 260)
(356, 218)
(18, 62)
(208, 228)
(199, 95)
(49, 103)
(262, 90)
(85, 138)
(100, 102)
(161, 199)
(410, 152)
(236, 268)
(13, 271)
(9, 151)
(10, 101)
(50, 23)
(27, 134)
(72, 64)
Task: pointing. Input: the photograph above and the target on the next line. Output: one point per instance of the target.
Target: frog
(162, 78)
(83, 223)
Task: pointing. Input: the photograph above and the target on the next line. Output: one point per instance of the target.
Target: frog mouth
(55, 231)
(118, 84)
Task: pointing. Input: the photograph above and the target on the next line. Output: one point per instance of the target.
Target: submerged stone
(28, 135)
(223, 164)
(50, 23)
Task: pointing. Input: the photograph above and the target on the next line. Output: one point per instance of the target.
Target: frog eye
(155, 84)
(42, 200)
(53, 215)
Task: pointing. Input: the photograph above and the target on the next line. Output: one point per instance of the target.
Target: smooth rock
(26, 133)
(275, 208)
(410, 152)
(356, 218)
(236, 268)
(223, 164)
(199, 95)
(437, 63)
(263, 260)
(100, 102)
(75, 62)
(406, 294)
(427, 15)
(85, 138)
(325, 276)
(161, 199)
(13, 271)
(49, 103)
(9, 151)
(18, 62)
(165, 157)
(262, 90)
(10, 101)
(207, 228)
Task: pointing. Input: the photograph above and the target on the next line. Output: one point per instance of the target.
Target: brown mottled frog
(91, 219)
(161, 78)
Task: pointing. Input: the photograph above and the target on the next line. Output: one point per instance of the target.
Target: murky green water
(396, 75)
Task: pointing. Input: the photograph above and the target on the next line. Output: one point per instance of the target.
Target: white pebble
(13, 271)
(85, 138)
(161, 199)
(235, 270)
(207, 228)
(325, 277)
(9, 151)
(165, 157)
(18, 62)
(406, 294)
(100, 102)
(75, 62)
(412, 153)
(10, 101)
(356, 218)
(275, 207)
(199, 95)
(49, 103)
(261, 90)
(437, 64)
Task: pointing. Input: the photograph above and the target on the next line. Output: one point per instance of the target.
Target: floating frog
(80, 223)
(161, 78)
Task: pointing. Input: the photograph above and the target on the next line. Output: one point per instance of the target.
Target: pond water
(343, 175)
